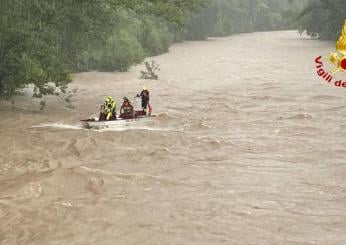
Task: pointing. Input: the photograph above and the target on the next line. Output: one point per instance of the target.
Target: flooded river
(249, 147)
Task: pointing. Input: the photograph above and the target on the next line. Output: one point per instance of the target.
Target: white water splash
(120, 128)
(60, 126)
(115, 128)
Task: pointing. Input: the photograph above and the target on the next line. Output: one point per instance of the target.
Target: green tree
(120, 52)
(42, 41)
(323, 18)
(225, 17)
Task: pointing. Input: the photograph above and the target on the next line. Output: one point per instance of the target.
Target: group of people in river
(108, 109)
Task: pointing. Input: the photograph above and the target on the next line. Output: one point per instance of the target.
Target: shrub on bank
(120, 52)
(154, 37)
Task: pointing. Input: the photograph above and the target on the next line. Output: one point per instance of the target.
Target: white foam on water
(60, 126)
(121, 128)
(114, 128)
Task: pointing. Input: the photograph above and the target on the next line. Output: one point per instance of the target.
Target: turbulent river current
(248, 147)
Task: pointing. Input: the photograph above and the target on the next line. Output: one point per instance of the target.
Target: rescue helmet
(108, 99)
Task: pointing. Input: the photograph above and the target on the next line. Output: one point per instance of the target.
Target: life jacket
(109, 107)
(145, 95)
(127, 108)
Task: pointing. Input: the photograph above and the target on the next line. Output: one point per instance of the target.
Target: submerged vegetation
(43, 41)
(323, 18)
(151, 69)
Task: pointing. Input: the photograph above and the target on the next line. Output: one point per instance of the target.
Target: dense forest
(323, 18)
(225, 17)
(43, 41)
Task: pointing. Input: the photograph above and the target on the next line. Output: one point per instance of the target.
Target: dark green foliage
(225, 17)
(120, 52)
(154, 37)
(323, 18)
(43, 41)
(201, 25)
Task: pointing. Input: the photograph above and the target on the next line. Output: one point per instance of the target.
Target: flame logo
(334, 58)
(341, 43)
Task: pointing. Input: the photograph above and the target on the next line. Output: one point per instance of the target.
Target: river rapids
(248, 147)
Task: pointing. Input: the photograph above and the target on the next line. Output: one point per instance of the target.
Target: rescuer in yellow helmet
(110, 108)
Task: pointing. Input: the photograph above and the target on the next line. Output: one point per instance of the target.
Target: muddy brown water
(248, 148)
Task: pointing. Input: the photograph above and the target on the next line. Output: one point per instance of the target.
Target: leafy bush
(155, 38)
(121, 51)
(323, 19)
(27, 60)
